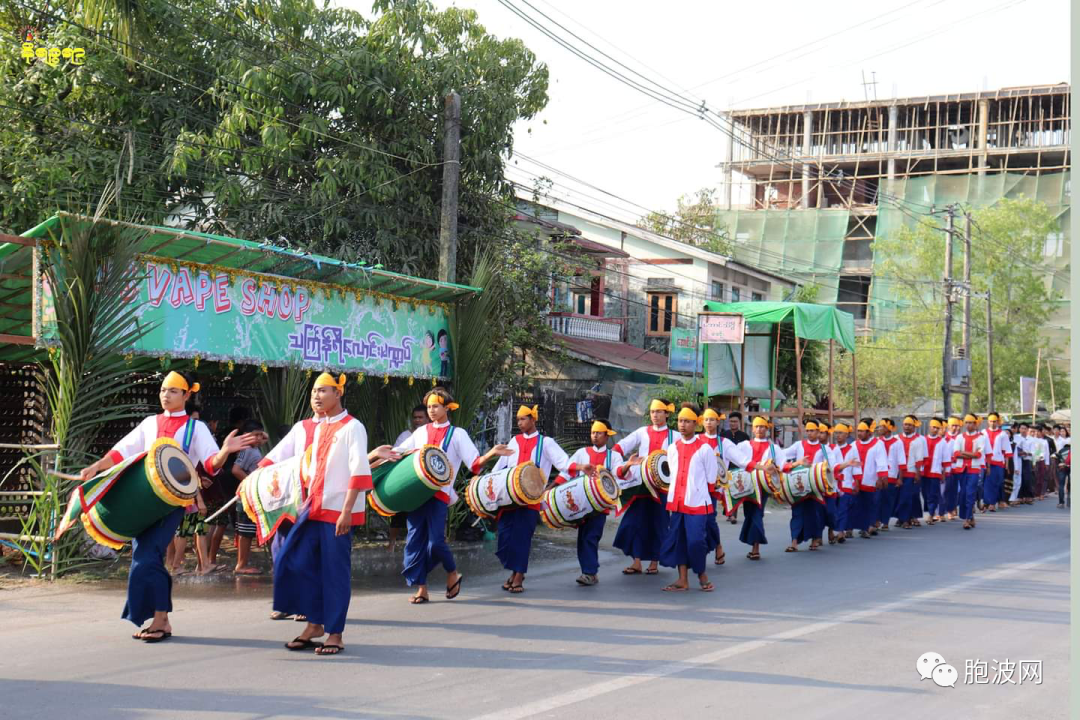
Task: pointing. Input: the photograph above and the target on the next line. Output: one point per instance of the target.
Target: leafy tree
(694, 222)
(904, 366)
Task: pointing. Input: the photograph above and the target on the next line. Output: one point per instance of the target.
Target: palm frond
(283, 399)
(470, 339)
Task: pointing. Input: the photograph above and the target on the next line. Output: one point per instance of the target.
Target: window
(582, 304)
(662, 313)
(734, 294)
(718, 291)
(757, 297)
(853, 294)
(1055, 245)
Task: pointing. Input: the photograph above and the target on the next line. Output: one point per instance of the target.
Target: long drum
(651, 478)
(567, 505)
(821, 482)
(118, 504)
(795, 486)
(743, 487)
(273, 494)
(406, 484)
(521, 485)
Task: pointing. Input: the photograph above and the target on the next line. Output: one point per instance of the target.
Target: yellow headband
(660, 405)
(598, 426)
(889, 424)
(914, 420)
(327, 380)
(822, 427)
(688, 414)
(842, 427)
(436, 399)
(864, 426)
(710, 413)
(935, 423)
(525, 411)
(994, 416)
(760, 422)
(811, 425)
(971, 418)
(176, 380)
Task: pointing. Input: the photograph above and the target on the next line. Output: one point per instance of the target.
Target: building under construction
(808, 188)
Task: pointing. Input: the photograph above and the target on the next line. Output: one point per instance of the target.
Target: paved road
(807, 635)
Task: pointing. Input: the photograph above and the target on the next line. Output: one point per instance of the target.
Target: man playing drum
(517, 524)
(149, 592)
(843, 459)
(725, 454)
(762, 453)
(806, 522)
(313, 570)
(871, 476)
(694, 469)
(425, 539)
(643, 524)
(591, 529)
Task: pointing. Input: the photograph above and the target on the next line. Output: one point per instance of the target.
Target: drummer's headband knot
(688, 414)
(935, 423)
(176, 380)
(327, 380)
(599, 426)
(525, 411)
(437, 399)
(913, 420)
(842, 427)
(661, 405)
(863, 426)
(822, 427)
(760, 422)
(710, 413)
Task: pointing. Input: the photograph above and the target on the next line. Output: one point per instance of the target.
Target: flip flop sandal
(454, 590)
(813, 548)
(516, 589)
(329, 649)
(842, 539)
(301, 618)
(652, 571)
(587, 580)
(138, 635)
(789, 548)
(305, 644)
(753, 556)
(832, 541)
(631, 571)
(510, 583)
(156, 636)
(720, 560)
(418, 600)
(675, 588)
(708, 587)
(278, 615)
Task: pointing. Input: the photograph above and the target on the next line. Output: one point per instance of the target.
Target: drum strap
(446, 440)
(539, 452)
(189, 434)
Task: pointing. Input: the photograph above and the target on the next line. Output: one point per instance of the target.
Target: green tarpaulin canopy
(812, 322)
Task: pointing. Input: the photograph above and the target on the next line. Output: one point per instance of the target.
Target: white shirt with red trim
(938, 449)
(972, 443)
(805, 448)
(914, 448)
(592, 456)
(202, 449)
(841, 454)
(337, 464)
(875, 463)
(756, 452)
(894, 453)
(728, 453)
(693, 469)
(295, 442)
(998, 447)
(459, 450)
(525, 449)
(646, 440)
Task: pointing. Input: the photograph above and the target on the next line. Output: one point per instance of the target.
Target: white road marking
(609, 686)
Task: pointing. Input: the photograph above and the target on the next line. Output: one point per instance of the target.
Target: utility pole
(451, 174)
(966, 330)
(946, 352)
(989, 356)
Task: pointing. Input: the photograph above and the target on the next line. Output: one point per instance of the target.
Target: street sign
(721, 328)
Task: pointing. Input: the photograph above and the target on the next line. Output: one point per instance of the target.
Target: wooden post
(989, 357)
(831, 408)
(1035, 399)
(798, 383)
(451, 174)
(1050, 375)
(772, 382)
(742, 378)
(854, 390)
(946, 350)
(966, 330)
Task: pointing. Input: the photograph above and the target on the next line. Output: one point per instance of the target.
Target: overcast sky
(747, 55)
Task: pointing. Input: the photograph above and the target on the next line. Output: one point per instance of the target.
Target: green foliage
(693, 222)
(282, 399)
(312, 126)
(900, 367)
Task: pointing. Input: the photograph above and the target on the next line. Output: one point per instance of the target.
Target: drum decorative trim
(96, 529)
(597, 493)
(433, 468)
(427, 468)
(510, 480)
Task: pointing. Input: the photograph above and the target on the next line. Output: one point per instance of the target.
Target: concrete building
(808, 188)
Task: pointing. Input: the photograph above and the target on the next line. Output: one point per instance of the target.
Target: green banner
(681, 354)
(201, 311)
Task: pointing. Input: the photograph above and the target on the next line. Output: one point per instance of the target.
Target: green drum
(129, 497)
(408, 483)
(648, 479)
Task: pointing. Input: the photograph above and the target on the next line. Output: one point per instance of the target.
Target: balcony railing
(589, 327)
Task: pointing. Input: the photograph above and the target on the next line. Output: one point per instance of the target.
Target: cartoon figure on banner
(444, 353)
(426, 350)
